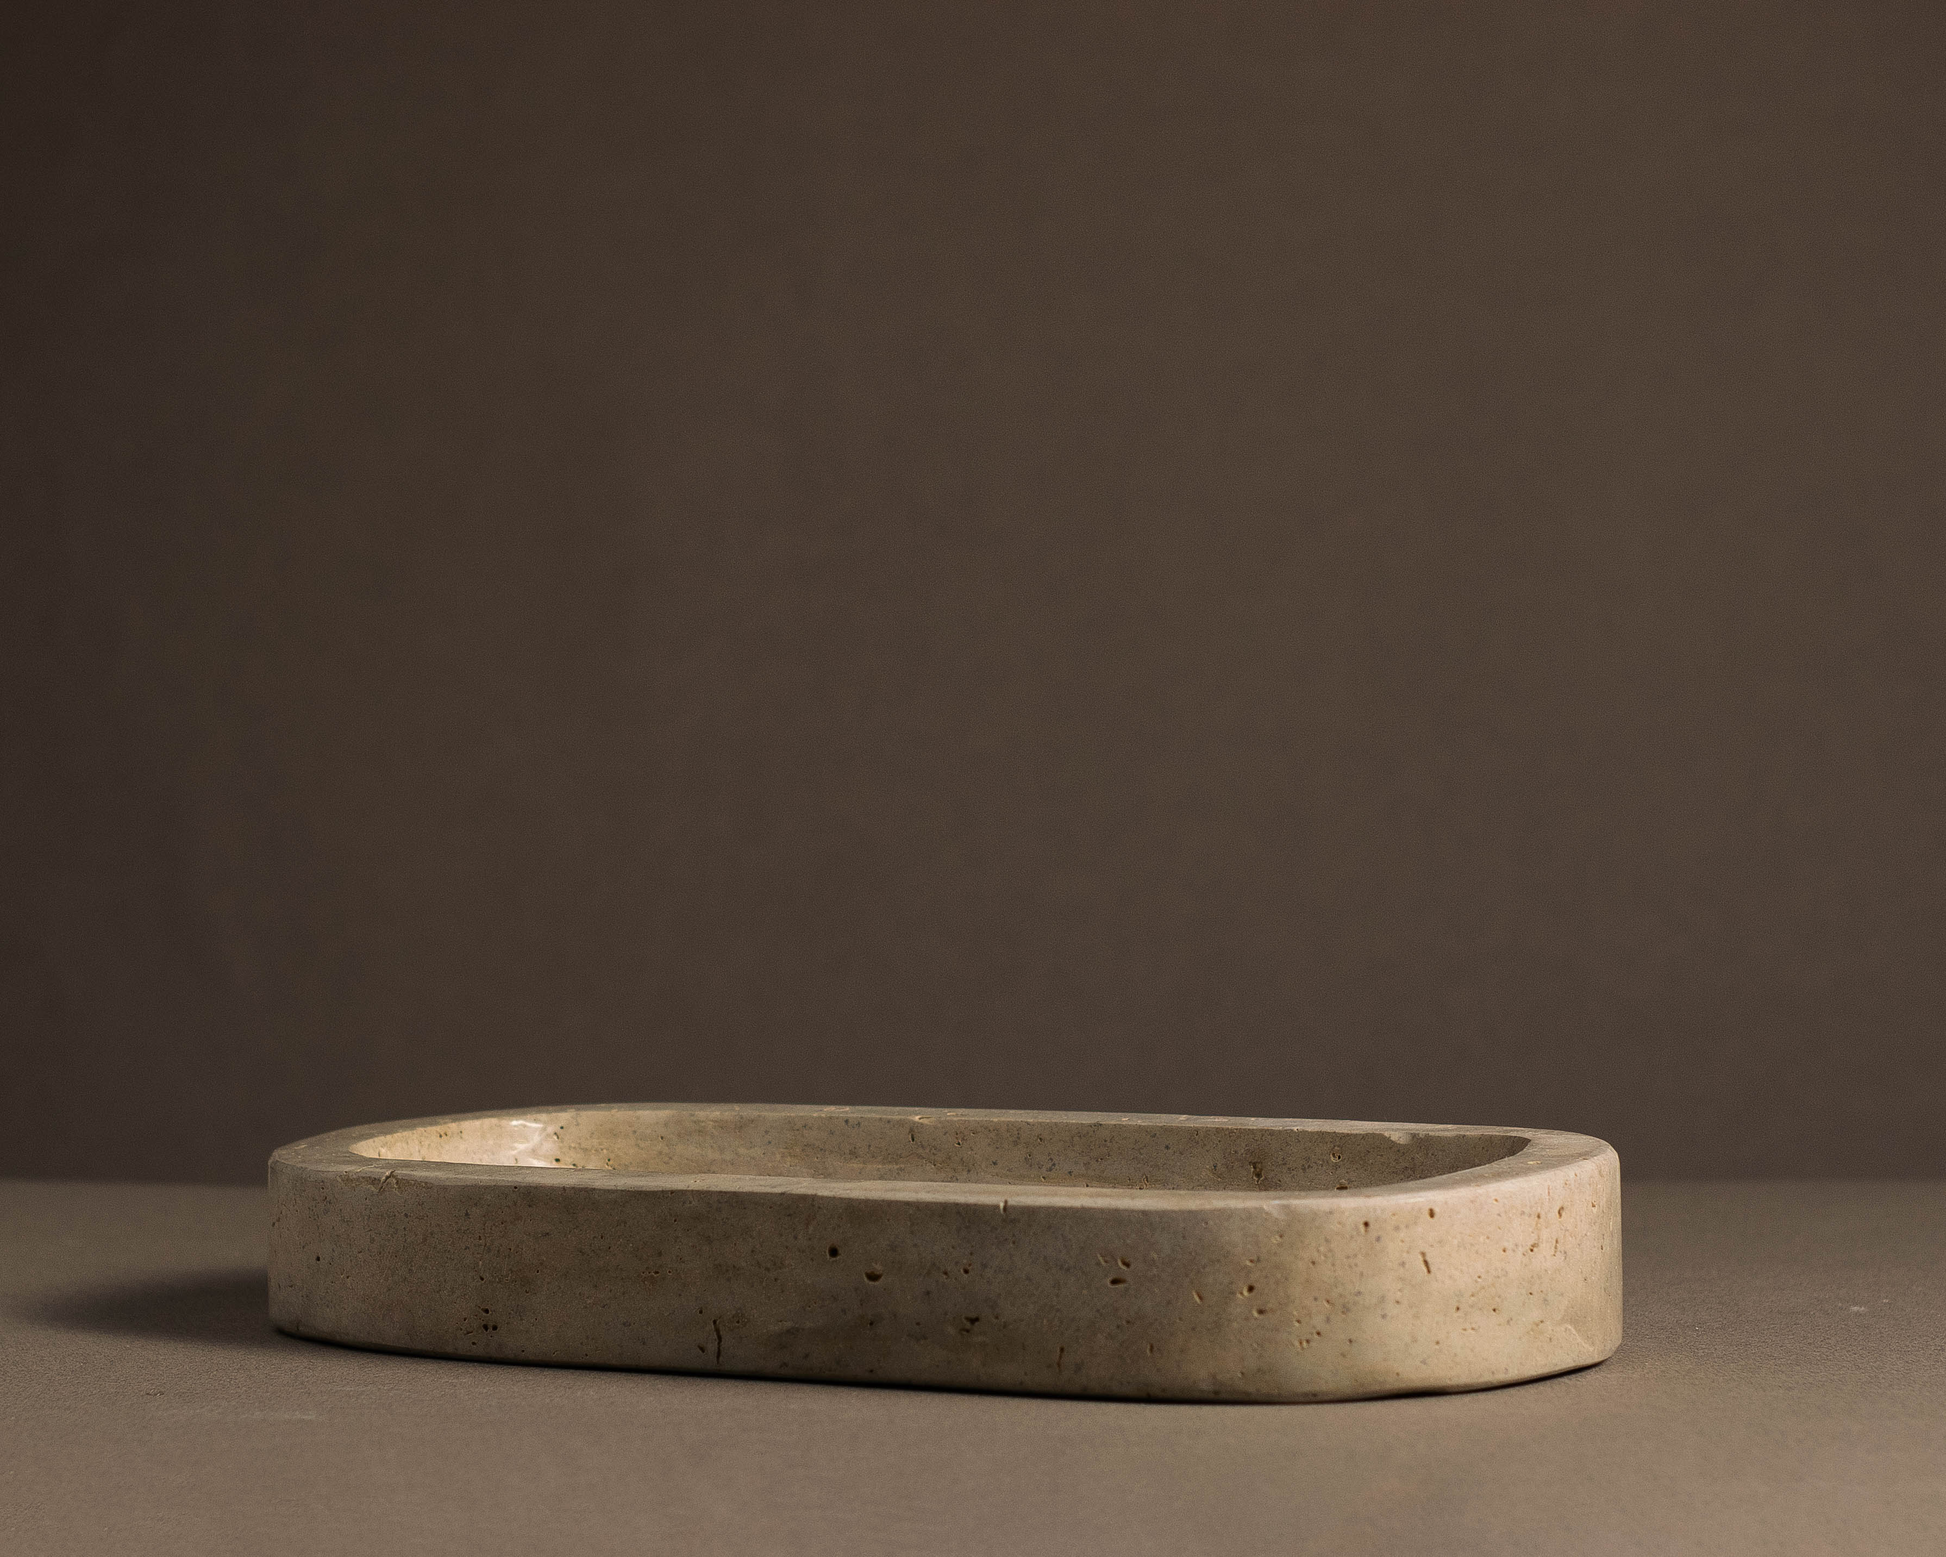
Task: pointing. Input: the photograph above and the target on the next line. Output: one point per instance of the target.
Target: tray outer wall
(1488, 1276)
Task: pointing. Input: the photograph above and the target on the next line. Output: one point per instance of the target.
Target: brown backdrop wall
(1322, 560)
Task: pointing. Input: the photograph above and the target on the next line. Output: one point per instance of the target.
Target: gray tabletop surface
(1782, 1389)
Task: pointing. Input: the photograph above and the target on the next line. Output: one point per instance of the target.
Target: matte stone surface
(1782, 1390)
(1146, 1256)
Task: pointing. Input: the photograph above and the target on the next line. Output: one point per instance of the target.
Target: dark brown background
(1284, 560)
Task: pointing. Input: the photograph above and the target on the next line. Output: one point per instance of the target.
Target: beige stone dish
(1133, 1255)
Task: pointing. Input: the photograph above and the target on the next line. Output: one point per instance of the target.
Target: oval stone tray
(1133, 1255)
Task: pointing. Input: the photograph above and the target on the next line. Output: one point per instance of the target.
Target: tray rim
(334, 1154)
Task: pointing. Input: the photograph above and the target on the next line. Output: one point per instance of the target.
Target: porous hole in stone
(832, 1251)
(1118, 1281)
(874, 1275)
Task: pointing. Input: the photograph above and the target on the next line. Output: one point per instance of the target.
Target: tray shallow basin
(1131, 1255)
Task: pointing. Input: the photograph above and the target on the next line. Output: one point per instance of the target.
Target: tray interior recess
(960, 1148)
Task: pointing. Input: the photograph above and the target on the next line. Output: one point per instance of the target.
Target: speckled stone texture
(1146, 1256)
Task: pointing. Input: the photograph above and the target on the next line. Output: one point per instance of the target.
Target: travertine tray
(1154, 1256)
